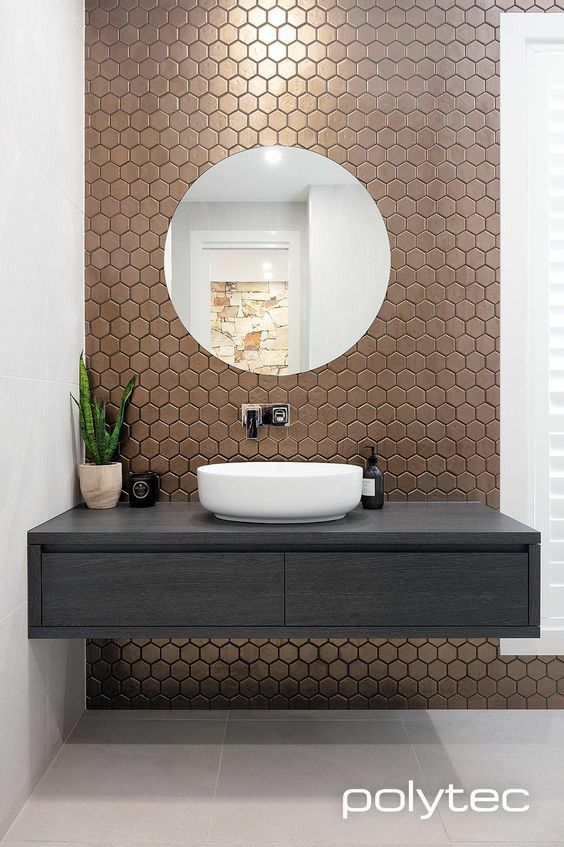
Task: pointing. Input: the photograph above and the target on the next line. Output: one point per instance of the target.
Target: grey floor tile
(131, 782)
(507, 843)
(526, 717)
(157, 714)
(496, 750)
(314, 714)
(344, 844)
(281, 783)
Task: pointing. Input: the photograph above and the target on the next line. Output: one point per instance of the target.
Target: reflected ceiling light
(272, 156)
(266, 266)
(267, 275)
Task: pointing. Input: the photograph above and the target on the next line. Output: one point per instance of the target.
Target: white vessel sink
(279, 492)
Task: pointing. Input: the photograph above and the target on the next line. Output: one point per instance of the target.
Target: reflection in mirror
(248, 316)
(277, 260)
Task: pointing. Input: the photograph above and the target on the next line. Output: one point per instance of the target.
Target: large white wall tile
(38, 467)
(41, 245)
(74, 9)
(23, 714)
(66, 698)
(41, 96)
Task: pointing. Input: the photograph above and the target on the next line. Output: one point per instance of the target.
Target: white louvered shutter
(532, 300)
(548, 144)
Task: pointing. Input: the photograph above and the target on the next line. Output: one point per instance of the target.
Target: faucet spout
(252, 420)
(252, 424)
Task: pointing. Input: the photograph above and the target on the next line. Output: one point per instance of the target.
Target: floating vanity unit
(413, 569)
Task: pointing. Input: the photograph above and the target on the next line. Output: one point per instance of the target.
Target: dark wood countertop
(188, 525)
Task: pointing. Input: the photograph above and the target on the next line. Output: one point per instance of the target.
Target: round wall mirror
(277, 260)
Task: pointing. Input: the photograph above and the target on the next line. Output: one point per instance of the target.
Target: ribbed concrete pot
(100, 485)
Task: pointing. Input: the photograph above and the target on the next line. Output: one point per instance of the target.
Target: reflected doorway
(249, 308)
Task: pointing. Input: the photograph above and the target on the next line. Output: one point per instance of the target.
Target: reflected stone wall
(250, 325)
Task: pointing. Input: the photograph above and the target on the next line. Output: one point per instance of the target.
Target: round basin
(279, 492)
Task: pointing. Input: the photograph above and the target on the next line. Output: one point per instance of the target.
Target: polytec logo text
(415, 800)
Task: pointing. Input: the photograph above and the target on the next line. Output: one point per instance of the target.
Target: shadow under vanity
(410, 570)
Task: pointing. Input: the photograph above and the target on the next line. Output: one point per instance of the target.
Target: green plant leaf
(86, 412)
(100, 429)
(100, 443)
(114, 438)
(89, 442)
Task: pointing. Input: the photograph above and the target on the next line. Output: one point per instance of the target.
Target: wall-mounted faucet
(253, 416)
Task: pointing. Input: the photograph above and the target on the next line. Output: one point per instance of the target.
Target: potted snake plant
(100, 477)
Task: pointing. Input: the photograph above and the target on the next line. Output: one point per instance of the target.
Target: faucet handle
(277, 415)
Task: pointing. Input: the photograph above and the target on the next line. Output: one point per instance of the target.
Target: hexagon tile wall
(404, 94)
(337, 674)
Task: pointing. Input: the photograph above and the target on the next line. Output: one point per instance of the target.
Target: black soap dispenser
(372, 483)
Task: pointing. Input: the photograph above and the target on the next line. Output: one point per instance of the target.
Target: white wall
(254, 265)
(349, 268)
(41, 335)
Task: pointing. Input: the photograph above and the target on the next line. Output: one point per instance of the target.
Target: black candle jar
(143, 489)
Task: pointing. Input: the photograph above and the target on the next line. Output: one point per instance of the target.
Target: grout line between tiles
(422, 772)
(15, 609)
(19, 378)
(217, 777)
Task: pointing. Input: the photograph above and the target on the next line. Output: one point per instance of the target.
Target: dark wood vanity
(412, 569)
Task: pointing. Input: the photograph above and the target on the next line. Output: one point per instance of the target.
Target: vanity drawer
(168, 589)
(415, 589)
